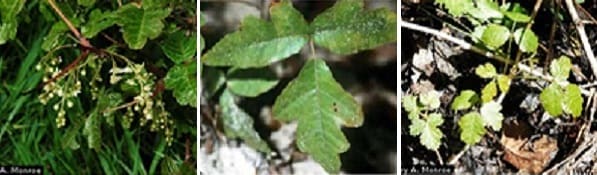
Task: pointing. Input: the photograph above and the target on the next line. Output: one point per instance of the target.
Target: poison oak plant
(314, 98)
(105, 63)
(496, 27)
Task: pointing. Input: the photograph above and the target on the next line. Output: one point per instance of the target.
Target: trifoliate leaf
(139, 25)
(251, 82)
(486, 71)
(528, 42)
(492, 116)
(179, 47)
(465, 100)
(573, 100)
(560, 68)
(551, 99)
(488, 92)
(456, 8)
(495, 36)
(98, 21)
(346, 28)
(86, 3)
(486, 9)
(260, 43)
(430, 134)
(320, 105)
(503, 82)
(182, 80)
(93, 131)
(238, 124)
(410, 104)
(472, 128)
(430, 99)
(517, 16)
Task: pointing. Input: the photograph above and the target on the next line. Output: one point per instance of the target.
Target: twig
(70, 25)
(580, 28)
(455, 158)
(528, 26)
(439, 157)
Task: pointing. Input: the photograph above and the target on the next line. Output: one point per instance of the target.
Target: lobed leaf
(320, 105)
(251, 82)
(430, 99)
(472, 127)
(465, 100)
(551, 99)
(572, 103)
(260, 43)
(139, 24)
(410, 104)
(179, 47)
(346, 28)
(503, 82)
(491, 115)
(98, 21)
(560, 68)
(488, 92)
(456, 8)
(486, 71)
(182, 80)
(430, 134)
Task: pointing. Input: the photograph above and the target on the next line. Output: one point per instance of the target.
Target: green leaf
(139, 25)
(491, 115)
(9, 9)
(320, 105)
(98, 21)
(238, 124)
(430, 99)
(456, 7)
(488, 92)
(346, 28)
(495, 36)
(517, 16)
(465, 100)
(472, 127)
(251, 82)
(486, 9)
(202, 22)
(212, 79)
(478, 33)
(503, 82)
(182, 79)
(528, 42)
(8, 31)
(86, 3)
(560, 68)
(179, 47)
(486, 71)
(430, 134)
(106, 101)
(410, 104)
(551, 99)
(260, 43)
(573, 100)
(93, 131)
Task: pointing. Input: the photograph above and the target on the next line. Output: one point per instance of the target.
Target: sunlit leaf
(486, 71)
(430, 99)
(465, 100)
(488, 92)
(456, 7)
(430, 134)
(491, 115)
(551, 99)
(503, 82)
(573, 100)
(472, 128)
(528, 42)
(560, 68)
(495, 36)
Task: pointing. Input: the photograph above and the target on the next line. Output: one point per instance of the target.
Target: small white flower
(69, 104)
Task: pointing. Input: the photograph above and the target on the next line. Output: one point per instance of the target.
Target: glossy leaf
(182, 80)
(465, 100)
(346, 28)
(430, 134)
(456, 8)
(528, 42)
(491, 115)
(98, 21)
(260, 43)
(179, 47)
(495, 36)
(551, 99)
(251, 82)
(488, 92)
(320, 105)
(139, 25)
(472, 128)
(572, 103)
(238, 124)
(560, 68)
(503, 82)
(486, 71)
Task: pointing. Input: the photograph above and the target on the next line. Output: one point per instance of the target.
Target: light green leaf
(503, 82)
(260, 43)
(495, 36)
(486, 9)
(517, 16)
(182, 80)
(86, 3)
(410, 104)
(573, 100)
(478, 33)
(346, 28)
(320, 105)
(488, 92)
(560, 68)
(179, 47)
(8, 31)
(238, 124)
(417, 126)
(465, 100)
(491, 115)
(528, 42)
(430, 134)
(93, 131)
(456, 7)
(472, 127)
(98, 21)
(551, 99)
(251, 82)
(9, 9)
(430, 99)
(486, 71)
(139, 25)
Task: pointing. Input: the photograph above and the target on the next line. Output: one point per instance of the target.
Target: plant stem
(580, 28)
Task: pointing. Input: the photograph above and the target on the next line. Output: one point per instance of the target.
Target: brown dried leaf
(532, 159)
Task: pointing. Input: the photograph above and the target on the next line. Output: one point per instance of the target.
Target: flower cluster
(64, 89)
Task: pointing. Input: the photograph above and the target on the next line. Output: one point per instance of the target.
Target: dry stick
(467, 46)
(528, 26)
(580, 28)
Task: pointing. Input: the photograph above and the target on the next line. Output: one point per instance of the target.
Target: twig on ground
(439, 157)
(580, 28)
(457, 157)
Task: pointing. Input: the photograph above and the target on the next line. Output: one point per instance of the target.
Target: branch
(70, 25)
(580, 28)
